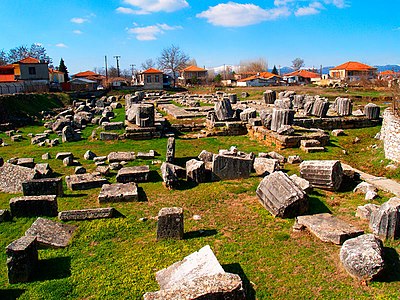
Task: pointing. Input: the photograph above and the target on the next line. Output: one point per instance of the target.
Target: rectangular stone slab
(28, 206)
(121, 156)
(230, 167)
(12, 177)
(44, 186)
(197, 264)
(50, 233)
(85, 181)
(87, 214)
(133, 174)
(118, 192)
(327, 228)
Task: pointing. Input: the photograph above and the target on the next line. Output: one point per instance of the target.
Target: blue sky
(327, 32)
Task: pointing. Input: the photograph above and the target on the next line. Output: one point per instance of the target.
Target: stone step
(312, 149)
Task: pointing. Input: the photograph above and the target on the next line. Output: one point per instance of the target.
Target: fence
(23, 87)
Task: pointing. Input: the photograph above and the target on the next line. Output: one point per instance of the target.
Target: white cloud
(313, 9)
(150, 6)
(77, 31)
(79, 20)
(151, 33)
(282, 2)
(130, 11)
(61, 45)
(233, 14)
(337, 3)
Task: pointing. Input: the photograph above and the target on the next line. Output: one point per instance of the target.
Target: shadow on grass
(117, 214)
(199, 233)
(316, 206)
(154, 176)
(74, 195)
(349, 182)
(11, 294)
(392, 264)
(53, 268)
(181, 161)
(184, 185)
(142, 195)
(235, 268)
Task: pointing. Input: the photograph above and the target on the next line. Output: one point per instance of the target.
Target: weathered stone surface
(62, 155)
(206, 156)
(22, 259)
(320, 108)
(29, 206)
(275, 155)
(89, 155)
(294, 159)
(390, 135)
(12, 177)
(366, 211)
(141, 115)
(343, 106)
(338, 132)
(302, 183)
(170, 223)
(43, 170)
(170, 155)
(386, 221)
(195, 171)
(284, 103)
(103, 170)
(80, 170)
(281, 196)
(298, 101)
(121, 156)
(68, 161)
(247, 114)
(112, 125)
(28, 162)
(5, 215)
(44, 186)
(146, 155)
(285, 130)
(324, 174)
(226, 167)
(69, 135)
(118, 192)
(198, 264)
(265, 166)
(362, 257)
(223, 110)
(372, 111)
(50, 233)
(85, 181)
(100, 159)
(269, 97)
(327, 228)
(87, 214)
(218, 286)
(281, 117)
(109, 136)
(133, 174)
(38, 139)
(170, 174)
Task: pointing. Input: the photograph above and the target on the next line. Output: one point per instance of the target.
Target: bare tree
(254, 65)
(297, 63)
(17, 53)
(148, 63)
(172, 60)
(192, 62)
(3, 58)
(39, 52)
(99, 70)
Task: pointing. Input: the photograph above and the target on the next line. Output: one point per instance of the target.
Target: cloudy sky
(327, 32)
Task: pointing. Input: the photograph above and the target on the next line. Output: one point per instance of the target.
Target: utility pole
(105, 60)
(279, 68)
(117, 57)
(224, 72)
(132, 68)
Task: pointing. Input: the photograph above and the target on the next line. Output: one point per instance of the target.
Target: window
(157, 78)
(32, 71)
(148, 79)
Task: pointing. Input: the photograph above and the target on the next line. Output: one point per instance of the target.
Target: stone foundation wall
(390, 134)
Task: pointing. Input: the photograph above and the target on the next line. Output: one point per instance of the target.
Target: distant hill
(395, 68)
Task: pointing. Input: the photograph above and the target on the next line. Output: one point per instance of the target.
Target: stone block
(195, 171)
(22, 259)
(109, 136)
(85, 181)
(118, 192)
(294, 159)
(170, 174)
(170, 223)
(225, 167)
(51, 234)
(87, 214)
(170, 155)
(112, 125)
(281, 196)
(121, 156)
(62, 155)
(363, 257)
(89, 155)
(372, 111)
(385, 222)
(269, 97)
(43, 170)
(324, 174)
(320, 108)
(265, 166)
(206, 156)
(281, 117)
(343, 106)
(43, 186)
(327, 228)
(366, 211)
(247, 114)
(69, 135)
(302, 183)
(27, 162)
(5, 215)
(29, 206)
(12, 177)
(223, 110)
(133, 174)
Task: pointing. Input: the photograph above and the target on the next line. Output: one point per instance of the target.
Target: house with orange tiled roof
(193, 75)
(7, 73)
(56, 76)
(260, 79)
(31, 69)
(353, 71)
(90, 75)
(301, 77)
(151, 79)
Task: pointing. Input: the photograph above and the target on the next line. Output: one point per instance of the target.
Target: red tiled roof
(353, 66)
(152, 71)
(86, 73)
(263, 75)
(303, 73)
(193, 69)
(29, 60)
(388, 72)
(55, 71)
(7, 78)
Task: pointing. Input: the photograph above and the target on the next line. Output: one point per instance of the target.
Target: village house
(31, 69)
(301, 77)
(353, 71)
(7, 73)
(193, 75)
(151, 79)
(261, 79)
(56, 76)
(90, 75)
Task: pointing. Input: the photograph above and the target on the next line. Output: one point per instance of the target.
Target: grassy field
(117, 258)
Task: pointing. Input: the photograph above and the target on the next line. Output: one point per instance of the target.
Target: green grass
(118, 258)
